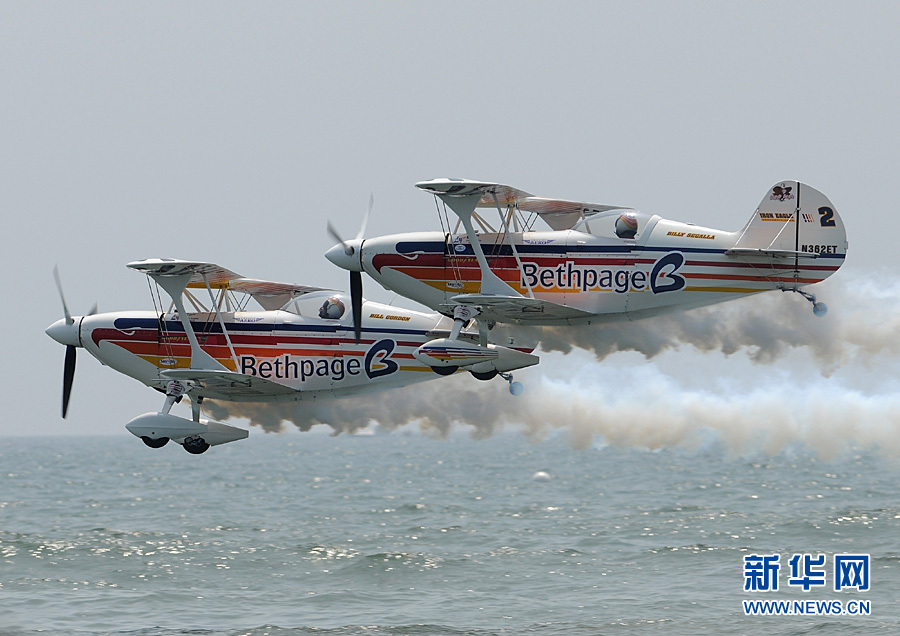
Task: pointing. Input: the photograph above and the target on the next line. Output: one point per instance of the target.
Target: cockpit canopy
(617, 224)
(327, 305)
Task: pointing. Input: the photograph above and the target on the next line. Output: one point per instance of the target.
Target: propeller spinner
(348, 255)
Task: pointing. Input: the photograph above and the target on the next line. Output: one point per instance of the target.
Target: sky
(231, 132)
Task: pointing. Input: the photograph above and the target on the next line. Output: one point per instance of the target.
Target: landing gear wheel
(819, 308)
(515, 388)
(445, 370)
(195, 445)
(486, 375)
(155, 443)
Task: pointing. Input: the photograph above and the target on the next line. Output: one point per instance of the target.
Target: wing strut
(221, 321)
(512, 244)
(463, 200)
(175, 286)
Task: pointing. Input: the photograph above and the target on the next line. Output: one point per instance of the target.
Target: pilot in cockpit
(626, 225)
(332, 308)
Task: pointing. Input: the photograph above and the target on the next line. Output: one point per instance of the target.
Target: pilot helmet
(626, 225)
(332, 308)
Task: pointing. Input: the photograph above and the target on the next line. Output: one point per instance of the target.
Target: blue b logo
(675, 281)
(378, 359)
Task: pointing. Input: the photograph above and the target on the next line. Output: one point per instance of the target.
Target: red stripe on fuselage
(151, 339)
(760, 278)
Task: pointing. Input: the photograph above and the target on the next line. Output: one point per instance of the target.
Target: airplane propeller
(68, 378)
(348, 255)
(66, 332)
(62, 297)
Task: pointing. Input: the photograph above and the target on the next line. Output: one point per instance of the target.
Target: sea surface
(407, 534)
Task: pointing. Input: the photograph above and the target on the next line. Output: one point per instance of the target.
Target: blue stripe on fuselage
(201, 328)
(411, 247)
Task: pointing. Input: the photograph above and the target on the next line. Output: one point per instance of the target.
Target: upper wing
(216, 275)
(269, 294)
(559, 214)
(229, 385)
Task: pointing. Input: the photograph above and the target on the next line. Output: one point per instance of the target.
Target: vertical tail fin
(794, 219)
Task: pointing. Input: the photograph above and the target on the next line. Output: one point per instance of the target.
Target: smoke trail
(634, 406)
(863, 321)
(629, 403)
(639, 406)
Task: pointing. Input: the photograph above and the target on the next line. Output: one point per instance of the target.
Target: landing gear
(445, 370)
(819, 308)
(462, 314)
(195, 445)
(516, 388)
(155, 443)
(485, 361)
(175, 390)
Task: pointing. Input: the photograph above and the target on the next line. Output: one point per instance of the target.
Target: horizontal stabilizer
(753, 251)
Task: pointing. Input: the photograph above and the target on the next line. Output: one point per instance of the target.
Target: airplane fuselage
(671, 265)
(307, 343)
(315, 358)
(598, 263)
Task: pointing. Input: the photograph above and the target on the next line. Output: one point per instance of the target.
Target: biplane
(595, 263)
(303, 343)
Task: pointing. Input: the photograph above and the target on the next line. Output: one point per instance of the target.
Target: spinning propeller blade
(365, 221)
(351, 260)
(66, 332)
(68, 377)
(356, 303)
(333, 233)
(68, 316)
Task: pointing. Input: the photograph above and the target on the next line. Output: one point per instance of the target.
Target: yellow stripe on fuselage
(725, 290)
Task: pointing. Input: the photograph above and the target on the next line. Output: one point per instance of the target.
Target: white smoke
(863, 321)
(803, 379)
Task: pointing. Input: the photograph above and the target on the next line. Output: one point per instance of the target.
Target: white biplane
(303, 344)
(596, 263)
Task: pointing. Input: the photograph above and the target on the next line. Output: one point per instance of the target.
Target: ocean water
(406, 534)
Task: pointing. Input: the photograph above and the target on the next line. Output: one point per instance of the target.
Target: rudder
(794, 218)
